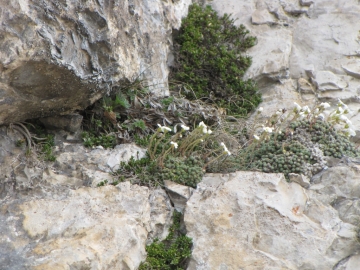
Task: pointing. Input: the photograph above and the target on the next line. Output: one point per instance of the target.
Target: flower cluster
(163, 129)
(182, 144)
(280, 120)
(299, 141)
(205, 129)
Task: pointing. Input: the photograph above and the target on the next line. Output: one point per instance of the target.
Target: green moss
(210, 59)
(171, 253)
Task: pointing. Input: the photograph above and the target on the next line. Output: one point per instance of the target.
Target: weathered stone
(74, 157)
(262, 16)
(160, 215)
(253, 220)
(292, 7)
(102, 228)
(280, 96)
(178, 194)
(69, 122)
(338, 186)
(306, 3)
(351, 263)
(353, 69)
(57, 57)
(302, 180)
(305, 87)
(328, 81)
(326, 38)
(272, 53)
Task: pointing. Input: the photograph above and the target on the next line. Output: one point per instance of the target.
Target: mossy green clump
(332, 142)
(301, 149)
(184, 171)
(211, 60)
(170, 254)
(187, 171)
(277, 157)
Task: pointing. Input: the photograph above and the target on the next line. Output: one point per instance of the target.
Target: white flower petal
(174, 144)
(297, 106)
(325, 105)
(184, 127)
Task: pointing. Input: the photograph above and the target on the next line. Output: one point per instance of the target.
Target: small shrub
(210, 60)
(170, 254)
(91, 140)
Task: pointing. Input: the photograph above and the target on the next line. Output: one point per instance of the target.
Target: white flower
(174, 144)
(268, 129)
(201, 124)
(260, 109)
(256, 137)
(185, 128)
(201, 140)
(325, 105)
(297, 107)
(301, 115)
(306, 109)
(163, 128)
(225, 149)
(340, 110)
(345, 119)
(351, 132)
(280, 132)
(209, 131)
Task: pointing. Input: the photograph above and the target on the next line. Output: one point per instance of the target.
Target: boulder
(253, 220)
(102, 228)
(60, 56)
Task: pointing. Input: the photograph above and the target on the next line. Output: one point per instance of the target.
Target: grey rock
(328, 81)
(178, 194)
(262, 16)
(305, 87)
(306, 2)
(253, 220)
(353, 69)
(161, 213)
(69, 122)
(302, 180)
(59, 56)
(93, 228)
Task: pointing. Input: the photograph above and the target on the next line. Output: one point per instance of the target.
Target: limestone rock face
(60, 56)
(252, 220)
(294, 35)
(88, 228)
